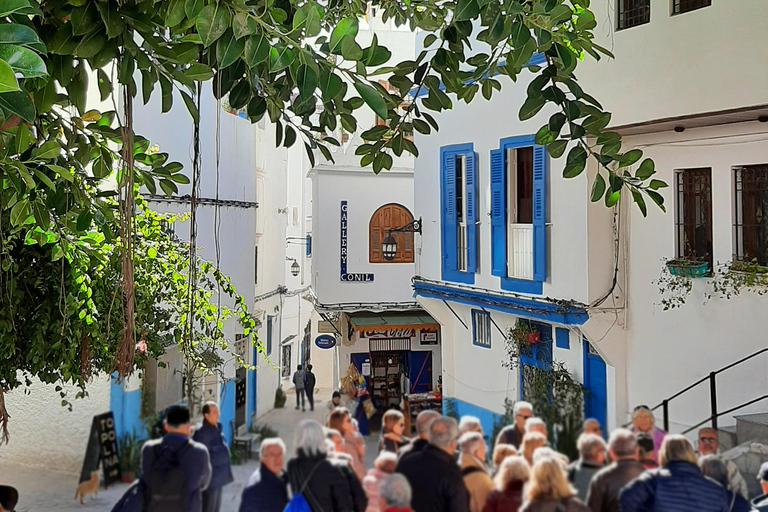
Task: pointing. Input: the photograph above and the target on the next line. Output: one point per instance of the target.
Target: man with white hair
(395, 494)
(591, 460)
(476, 477)
(423, 421)
(513, 434)
(603, 494)
(592, 426)
(536, 425)
(434, 476)
(267, 490)
(470, 424)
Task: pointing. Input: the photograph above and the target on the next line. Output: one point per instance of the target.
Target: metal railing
(712, 379)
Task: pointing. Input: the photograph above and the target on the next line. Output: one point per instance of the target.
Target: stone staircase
(746, 444)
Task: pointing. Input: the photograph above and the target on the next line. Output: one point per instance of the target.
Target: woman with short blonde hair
(676, 448)
(549, 490)
(507, 495)
(531, 441)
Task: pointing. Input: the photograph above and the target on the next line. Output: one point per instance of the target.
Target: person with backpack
(218, 451)
(319, 483)
(175, 469)
(298, 381)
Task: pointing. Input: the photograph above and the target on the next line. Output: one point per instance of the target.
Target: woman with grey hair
(395, 494)
(713, 467)
(328, 485)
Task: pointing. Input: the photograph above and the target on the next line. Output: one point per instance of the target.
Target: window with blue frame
(458, 198)
(481, 328)
(518, 214)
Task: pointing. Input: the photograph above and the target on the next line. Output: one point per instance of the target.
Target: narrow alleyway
(44, 490)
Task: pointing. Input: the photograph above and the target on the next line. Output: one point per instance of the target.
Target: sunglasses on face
(525, 416)
(641, 407)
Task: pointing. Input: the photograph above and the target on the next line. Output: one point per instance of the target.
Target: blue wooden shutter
(498, 214)
(471, 214)
(539, 213)
(449, 211)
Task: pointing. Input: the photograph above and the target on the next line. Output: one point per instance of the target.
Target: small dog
(88, 487)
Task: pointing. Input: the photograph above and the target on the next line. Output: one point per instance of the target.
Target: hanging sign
(349, 277)
(325, 341)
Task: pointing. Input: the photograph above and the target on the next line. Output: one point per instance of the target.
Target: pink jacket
(371, 485)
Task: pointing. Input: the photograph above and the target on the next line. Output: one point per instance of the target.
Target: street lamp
(389, 246)
(295, 269)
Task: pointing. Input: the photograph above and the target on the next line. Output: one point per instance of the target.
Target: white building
(507, 238)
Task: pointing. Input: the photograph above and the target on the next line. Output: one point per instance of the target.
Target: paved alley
(48, 491)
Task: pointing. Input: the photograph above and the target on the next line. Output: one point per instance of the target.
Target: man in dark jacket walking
(298, 382)
(309, 386)
(603, 494)
(423, 421)
(192, 457)
(513, 434)
(591, 460)
(267, 490)
(210, 436)
(434, 475)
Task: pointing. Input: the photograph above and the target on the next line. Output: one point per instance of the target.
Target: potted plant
(524, 332)
(129, 452)
(684, 267)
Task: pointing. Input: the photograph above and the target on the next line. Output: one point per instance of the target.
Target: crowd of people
(447, 467)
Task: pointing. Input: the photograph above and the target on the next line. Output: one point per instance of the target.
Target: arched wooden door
(385, 218)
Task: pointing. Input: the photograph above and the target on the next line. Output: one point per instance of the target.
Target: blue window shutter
(498, 214)
(561, 338)
(471, 214)
(449, 211)
(539, 213)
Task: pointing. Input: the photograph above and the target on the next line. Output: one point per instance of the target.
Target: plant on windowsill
(738, 275)
(685, 267)
(674, 288)
(525, 332)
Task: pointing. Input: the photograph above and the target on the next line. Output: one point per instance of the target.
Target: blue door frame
(595, 382)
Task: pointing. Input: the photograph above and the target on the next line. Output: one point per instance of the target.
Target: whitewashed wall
(701, 61)
(45, 434)
(667, 350)
(364, 192)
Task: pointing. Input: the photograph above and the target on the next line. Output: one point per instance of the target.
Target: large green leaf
(306, 81)
(199, 72)
(466, 10)
(212, 22)
(8, 80)
(83, 19)
(308, 16)
(193, 7)
(175, 13)
(372, 98)
(280, 57)
(228, 49)
(256, 50)
(13, 33)
(19, 103)
(112, 19)
(576, 162)
(23, 61)
(243, 25)
(10, 6)
(345, 28)
(330, 85)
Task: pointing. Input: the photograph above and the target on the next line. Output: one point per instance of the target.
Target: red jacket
(508, 501)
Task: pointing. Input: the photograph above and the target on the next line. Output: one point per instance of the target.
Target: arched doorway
(385, 218)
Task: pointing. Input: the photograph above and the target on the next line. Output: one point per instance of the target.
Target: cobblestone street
(44, 490)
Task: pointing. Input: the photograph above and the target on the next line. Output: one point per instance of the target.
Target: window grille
(751, 219)
(481, 322)
(633, 13)
(683, 6)
(694, 214)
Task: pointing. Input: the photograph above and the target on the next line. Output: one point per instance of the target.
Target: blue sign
(325, 341)
(345, 276)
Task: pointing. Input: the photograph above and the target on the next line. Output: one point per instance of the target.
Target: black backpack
(165, 484)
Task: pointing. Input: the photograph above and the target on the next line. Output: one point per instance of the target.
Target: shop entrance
(387, 369)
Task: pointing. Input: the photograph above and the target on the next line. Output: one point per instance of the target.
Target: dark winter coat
(510, 435)
(508, 501)
(331, 487)
(218, 451)
(606, 485)
(436, 481)
(740, 504)
(194, 461)
(309, 380)
(415, 446)
(580, 474)
(676, 487)
(265, 492)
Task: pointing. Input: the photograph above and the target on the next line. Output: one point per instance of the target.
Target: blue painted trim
(447, 240)
(126, 409)
(537, 60)
(562, 338)
(227, 408)
(589, 407)
(483, 316)
(566, 315)
(487, 418)
(534, 286)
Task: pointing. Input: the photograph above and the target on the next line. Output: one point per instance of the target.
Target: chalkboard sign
(102, 447)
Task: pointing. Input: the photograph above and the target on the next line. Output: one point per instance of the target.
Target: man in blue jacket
(267, 490)
(210, 436)
(191, 457)
(761, 502)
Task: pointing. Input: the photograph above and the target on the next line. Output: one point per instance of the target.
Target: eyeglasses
(707, 440)
(525, 416)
